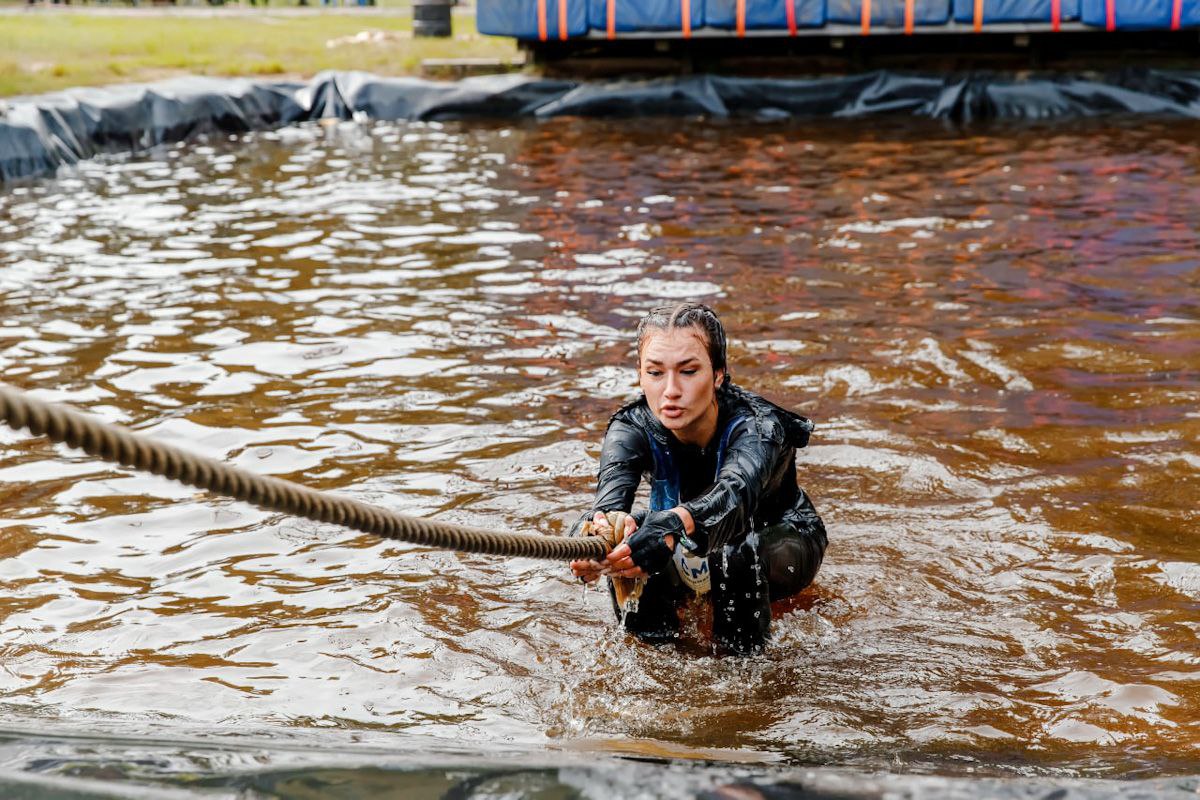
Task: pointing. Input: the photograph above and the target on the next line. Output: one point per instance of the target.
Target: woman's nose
(672, 389)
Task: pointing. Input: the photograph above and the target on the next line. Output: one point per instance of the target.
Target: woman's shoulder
(636, 413)
(771, 421)
(632, 426)
(636, 418)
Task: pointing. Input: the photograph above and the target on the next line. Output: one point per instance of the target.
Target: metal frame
(835, 30)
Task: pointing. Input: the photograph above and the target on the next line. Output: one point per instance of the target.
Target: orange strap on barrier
(908, 16)
(1055, 14)
(562, 20)
(611, 24)
(790, 7)
(685, 9)
(1110, 15)
(1176, 14)
(866, 17)
(979, 16)
(542, 35)
(741, 17)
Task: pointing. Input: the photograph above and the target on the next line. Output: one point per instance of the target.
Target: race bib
(693, 569)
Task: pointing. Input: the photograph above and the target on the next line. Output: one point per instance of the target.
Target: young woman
(726, 517)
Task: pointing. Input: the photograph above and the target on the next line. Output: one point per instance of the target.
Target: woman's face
(677, 376)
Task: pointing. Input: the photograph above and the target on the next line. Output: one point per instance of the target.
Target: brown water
(997, 333)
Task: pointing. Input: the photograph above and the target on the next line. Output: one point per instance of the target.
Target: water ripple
(997, 333)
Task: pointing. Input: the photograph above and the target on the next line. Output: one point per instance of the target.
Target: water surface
(996, 331)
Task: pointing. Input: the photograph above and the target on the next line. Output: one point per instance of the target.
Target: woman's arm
(725, 510)
(756, 447)
(623, 458)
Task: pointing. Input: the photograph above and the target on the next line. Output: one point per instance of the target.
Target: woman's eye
(689, 372)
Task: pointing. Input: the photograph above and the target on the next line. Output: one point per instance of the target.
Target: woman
(726, 517)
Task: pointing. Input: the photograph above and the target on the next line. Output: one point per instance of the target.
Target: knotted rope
(119, 445)
(627, 590)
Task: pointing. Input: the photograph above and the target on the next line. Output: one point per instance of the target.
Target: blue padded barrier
(771, 14)
(1015, 11)
(524, 19)
(644, 15)
(1141, 14)
(889, 13)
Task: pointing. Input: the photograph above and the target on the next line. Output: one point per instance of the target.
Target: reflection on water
(998, 334)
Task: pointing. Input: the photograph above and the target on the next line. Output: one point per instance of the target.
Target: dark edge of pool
(39, 765)
(40, 134)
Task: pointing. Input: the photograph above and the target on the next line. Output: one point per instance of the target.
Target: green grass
(46, 52)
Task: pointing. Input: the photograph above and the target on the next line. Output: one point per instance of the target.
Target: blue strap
(664, 489)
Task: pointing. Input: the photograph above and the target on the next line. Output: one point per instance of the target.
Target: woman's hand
(586, 570)
(591, 571)
(650, 548)
(619, 563)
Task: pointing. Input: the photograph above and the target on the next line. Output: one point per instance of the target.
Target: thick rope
(116, 444)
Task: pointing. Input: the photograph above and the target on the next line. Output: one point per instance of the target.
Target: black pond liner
(39, 134)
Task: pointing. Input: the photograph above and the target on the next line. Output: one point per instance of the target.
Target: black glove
(648, 546)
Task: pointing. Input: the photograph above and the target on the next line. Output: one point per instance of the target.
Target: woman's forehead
(674, 345)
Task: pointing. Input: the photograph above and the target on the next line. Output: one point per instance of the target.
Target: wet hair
(683, 316)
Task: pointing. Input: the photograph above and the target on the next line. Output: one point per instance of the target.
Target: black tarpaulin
(40, 134)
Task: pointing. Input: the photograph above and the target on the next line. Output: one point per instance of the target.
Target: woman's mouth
(672, 412)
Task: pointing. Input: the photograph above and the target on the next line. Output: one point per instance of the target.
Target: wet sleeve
(725, 510)
(623, 458)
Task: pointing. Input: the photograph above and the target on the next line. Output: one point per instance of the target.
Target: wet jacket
(744, 480)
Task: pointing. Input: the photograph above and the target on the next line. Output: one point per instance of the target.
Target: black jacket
(756, 484)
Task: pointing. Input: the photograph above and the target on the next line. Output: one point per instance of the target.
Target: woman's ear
(718, 378)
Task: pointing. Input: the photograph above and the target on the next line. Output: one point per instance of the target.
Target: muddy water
(997, 332)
